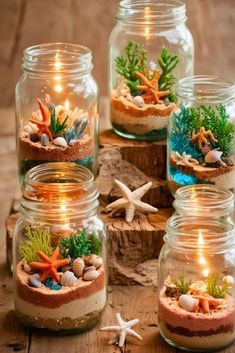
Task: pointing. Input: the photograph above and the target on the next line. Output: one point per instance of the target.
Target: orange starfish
(49, 265)
(152, 94)
(43, 126)
(206, 301)
(202, 137)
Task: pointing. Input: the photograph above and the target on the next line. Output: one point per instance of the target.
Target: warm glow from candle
(58, 88)
(63, 208)
(66, 104)
(146, 16)
(202, 260)
(58, 64)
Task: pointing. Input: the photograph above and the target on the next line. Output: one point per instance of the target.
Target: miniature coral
(38, 239)
(181, 284)
(152, 85)
(214, 289)
(49, 265)
(77, 130)
(79, 244)
(167, 80)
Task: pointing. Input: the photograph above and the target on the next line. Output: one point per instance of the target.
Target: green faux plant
(181, 284)
(37, 239)
(78, 244)
(56, 127)
(135, 60)
(214, 289)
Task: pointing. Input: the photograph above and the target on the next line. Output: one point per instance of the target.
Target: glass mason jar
(201, 134)
(59, 257)
(150, 48)
(56, 107)
(197, 271)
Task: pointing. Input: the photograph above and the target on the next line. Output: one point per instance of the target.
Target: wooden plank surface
(28, 22)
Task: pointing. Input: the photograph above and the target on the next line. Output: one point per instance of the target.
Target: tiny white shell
(90, 275)
(60, 141)
(213, 156)
(78, 266)
(152, 66)
(26, 267)
(96, 260)
(72, 142)
(139, 101)
(187, 302)
(228, 280)
(68, 279)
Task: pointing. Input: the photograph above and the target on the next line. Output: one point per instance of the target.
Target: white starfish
(185, 159)
(123, 329)
(131, 201)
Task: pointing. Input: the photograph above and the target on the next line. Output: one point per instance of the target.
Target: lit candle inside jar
(202, 260)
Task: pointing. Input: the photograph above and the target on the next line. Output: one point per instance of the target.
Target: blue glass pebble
(56, 287)
(48, 282)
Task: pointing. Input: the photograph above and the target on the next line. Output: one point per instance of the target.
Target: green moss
(181, 284)
(37, 239)
(213, 288)
(79, 244)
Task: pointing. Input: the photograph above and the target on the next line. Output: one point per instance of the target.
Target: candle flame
(146, 15)
(66, 104)
(202, 260)
(58, 63)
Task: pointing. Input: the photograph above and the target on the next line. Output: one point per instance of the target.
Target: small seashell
(90, 275)
(45, 140)
(90, 268)
(228, 280)
(34, 281)
(26, 267)
(213, 156)
(78, 266)
(187, 302)
(96, 260)
(129, 97)
(68, 279)
(60, 141)
(139, 101)
(152, 66)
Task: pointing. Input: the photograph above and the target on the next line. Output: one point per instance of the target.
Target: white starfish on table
(131, 201)
(123, 329)
(184, 160)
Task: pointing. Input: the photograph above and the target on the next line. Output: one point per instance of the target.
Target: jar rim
(149, 12)
(59, 58)
(207, 88)
(188, 233)
(36, 175)
(55, 187)
(204, 200)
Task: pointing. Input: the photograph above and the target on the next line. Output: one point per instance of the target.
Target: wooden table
(132, 302)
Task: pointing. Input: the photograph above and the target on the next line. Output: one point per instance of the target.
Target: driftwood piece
(134, 247)
(10, 224)
(148, 157)
(113, 166)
